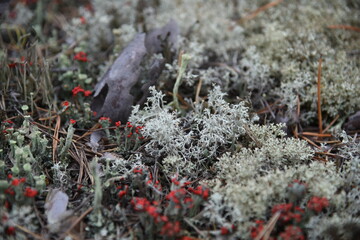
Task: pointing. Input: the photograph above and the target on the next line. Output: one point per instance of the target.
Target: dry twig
(332, 123)
(198, 88)
(265, 233)
(311, 142)
(76, 222)
(259, 10)
(316, 134)
(55, 136)
(347, 27)
(27, 231)
(87, 133)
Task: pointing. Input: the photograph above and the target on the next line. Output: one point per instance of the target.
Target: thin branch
(270, 110)
(311, 142)
(56, 136)
(259, 10)
(316, 134)
(198, 88)
(332, 123)
(25, 230)
(265, 233)
(96, 126)
(320, 159)
(195, 228)
(295, 131)
(329, 142)
(329, 154)
(347, 27)
(76, 222)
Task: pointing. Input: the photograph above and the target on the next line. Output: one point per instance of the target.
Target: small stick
(198, 88)
(311, 142)
(332, 123)
(34, 235)
(96, 126)
(251, 135)
(347, 27)
(44, 109)
(181, 99)
(268, 227)
(270, 110)
(113, 179)
(319, 96)
(295, 131)
(195, 228)
(320, 159)
(328, 142)
(47, 118)
(76, 222)
(329, 154)
(260, 9)
(272, 105)
(56, 136)
(316, 134)
(46, 127)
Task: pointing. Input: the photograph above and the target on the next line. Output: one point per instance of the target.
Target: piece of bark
(112, 96)
(120, 87)
(353, 122)
(163, 40)
(155, 70)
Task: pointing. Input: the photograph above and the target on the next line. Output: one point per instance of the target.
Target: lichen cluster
(224, 146)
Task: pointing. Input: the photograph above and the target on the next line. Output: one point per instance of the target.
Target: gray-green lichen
(272, 58)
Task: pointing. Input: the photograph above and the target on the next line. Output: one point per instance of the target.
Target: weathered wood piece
(114, 95)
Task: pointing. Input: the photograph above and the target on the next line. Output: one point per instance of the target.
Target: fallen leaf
(55, 209)
(95, 137)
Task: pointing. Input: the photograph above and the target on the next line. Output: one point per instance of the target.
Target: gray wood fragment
(112, 96)
(120, 87)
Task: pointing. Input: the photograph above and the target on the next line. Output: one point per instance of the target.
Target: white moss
(213, 124)
(254, 195)
(338, 226)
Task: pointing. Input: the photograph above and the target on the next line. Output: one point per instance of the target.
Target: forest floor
(183, 119)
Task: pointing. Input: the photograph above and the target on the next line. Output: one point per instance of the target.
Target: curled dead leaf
(121, 86)
(56, 210)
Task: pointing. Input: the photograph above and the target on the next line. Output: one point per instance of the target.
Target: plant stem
(185, 58)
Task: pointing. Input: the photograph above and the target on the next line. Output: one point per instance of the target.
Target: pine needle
(347, 27)
(259, 10)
